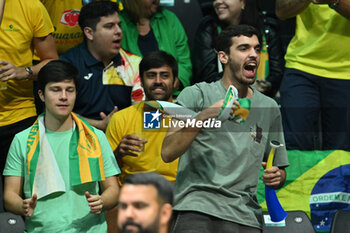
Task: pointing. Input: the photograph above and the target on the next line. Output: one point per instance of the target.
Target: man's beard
(237, 67)
(151, 96)
(152, 228)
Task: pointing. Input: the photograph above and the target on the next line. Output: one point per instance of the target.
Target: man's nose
(158, 79)
(118, 30)
(63, 95)
(129, 212)
(254, 53)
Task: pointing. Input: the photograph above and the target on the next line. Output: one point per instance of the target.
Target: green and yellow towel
(85, 158)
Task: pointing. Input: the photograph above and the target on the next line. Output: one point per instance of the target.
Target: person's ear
(223, 57)
(141, 81)
(165, 214)
(176, 84)
(89, 33)
(41, 95)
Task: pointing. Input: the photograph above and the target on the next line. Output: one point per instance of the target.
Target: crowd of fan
(78, 77)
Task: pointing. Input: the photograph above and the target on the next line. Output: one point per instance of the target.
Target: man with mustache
(109, 78)
(158, 71)
(215, 189)
(145, 204)
(137, 149)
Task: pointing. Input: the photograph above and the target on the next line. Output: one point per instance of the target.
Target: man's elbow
(7, 205)
(8, 202)
(166, 157)
(164, 152)
(281, 15)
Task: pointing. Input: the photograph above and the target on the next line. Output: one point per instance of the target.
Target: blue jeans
(306, 99)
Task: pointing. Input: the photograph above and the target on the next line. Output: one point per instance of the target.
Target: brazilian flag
(318, 182)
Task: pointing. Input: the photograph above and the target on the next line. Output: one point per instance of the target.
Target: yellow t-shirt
(130, 121)
(22, 21)
(64, 16)
(321, 44)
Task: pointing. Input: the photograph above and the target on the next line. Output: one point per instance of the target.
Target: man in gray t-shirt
(215, 189)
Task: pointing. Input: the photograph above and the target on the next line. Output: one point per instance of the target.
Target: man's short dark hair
(57, 71)
(224, 40)
(163, 186)
(158, 59)
(91, 13)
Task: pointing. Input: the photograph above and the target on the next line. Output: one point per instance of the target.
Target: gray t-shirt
(218, 174)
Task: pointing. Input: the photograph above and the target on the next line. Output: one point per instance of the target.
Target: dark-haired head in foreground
(145, 204)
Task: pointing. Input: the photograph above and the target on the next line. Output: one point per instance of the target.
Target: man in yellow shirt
(26, 26)
(138, 149)
(316, 81)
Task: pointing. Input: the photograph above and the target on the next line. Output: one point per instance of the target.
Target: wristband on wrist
(30, 72)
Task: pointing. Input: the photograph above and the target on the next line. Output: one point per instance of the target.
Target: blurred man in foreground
(145, 204)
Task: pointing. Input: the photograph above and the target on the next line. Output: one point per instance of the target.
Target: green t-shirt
(218, 174)
(321, 43)
(61, 212)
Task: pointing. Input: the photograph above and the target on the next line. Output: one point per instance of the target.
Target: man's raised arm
(177, 140)
(286, 9)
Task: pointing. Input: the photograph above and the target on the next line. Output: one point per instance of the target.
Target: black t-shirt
(147, 43)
